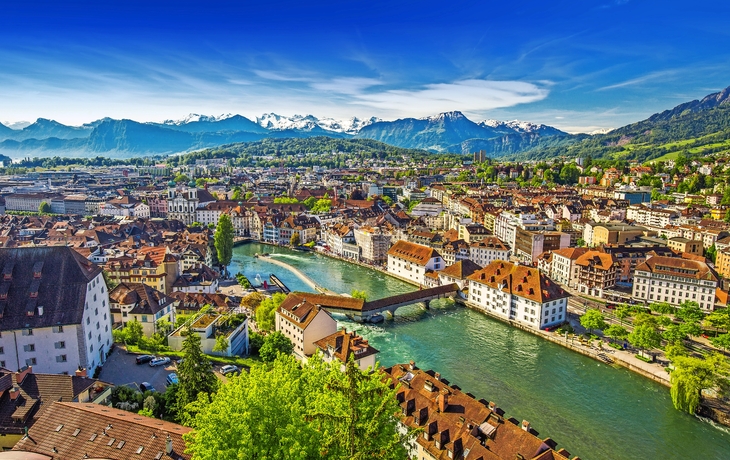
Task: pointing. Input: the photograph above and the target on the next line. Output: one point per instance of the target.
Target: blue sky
(577, 65)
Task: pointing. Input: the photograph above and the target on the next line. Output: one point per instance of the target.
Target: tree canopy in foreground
(285, 410)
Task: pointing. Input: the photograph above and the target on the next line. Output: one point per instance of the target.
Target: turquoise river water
(592, 410)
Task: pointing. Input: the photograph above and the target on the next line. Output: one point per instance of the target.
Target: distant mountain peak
(196, 117)
(446, 116)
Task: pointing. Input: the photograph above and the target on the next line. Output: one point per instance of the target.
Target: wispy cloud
(346, 85)
(465, 95)
(659, 75)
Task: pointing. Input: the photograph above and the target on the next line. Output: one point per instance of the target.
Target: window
(29, 348)
(2, 364)
(57, 328)
(31, 362)
(2, 351)
(60, 345)
(27, 331)
(88, 321)
(144, 318)
(61, 359)
(96, 311)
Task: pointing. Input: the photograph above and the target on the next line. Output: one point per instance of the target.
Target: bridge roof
(332, 301)
(409, 297)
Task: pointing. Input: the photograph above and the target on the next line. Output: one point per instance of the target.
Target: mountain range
(446, 132)
(704, 122)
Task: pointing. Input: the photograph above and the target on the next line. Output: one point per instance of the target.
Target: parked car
(146, 386)
(172, 379)
(229, 369)
(141, 359)
(161, 361)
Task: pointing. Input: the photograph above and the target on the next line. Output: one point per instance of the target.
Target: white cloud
(465, 95)
(346, 85)
(639, 80)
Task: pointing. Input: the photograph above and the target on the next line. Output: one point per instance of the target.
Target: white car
(161, 361)
(230, 368)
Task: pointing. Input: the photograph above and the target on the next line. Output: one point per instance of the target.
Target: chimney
(492, 406)
(526, 425)
(168, 445)
(437, 376)
(40, 310)
(14, 392)
(412, 365)
(81, 372)
(25, 370)
(443, 401)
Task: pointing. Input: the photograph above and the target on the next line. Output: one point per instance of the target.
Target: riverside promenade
(309, 281)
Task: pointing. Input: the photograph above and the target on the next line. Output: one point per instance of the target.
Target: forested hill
(693, 128)
(288, 147)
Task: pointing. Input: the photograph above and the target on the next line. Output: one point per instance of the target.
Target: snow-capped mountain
(275, 122)
(195, 117)
(521, 127)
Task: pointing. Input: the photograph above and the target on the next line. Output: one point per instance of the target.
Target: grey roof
(60, 290)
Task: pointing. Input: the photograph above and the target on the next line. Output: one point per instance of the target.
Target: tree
(194, 373)
(266, 311)
(592, 319)
(252, 300)
(181, 178)
(643, 318)
(645, 337)
(255, 342)
(290, 411)
(223, 240)
(275, 343)
(674, 333)
(580, 242)
(662, 307)
(711, 253)
(622, 312)
(616, 332)
(359, 295)
(131, 333)
(295, 239)
(221, 344)
(690, 312)
(721, 341)
(692, 375)
(44, 208)
(110, 283)
(719, 319)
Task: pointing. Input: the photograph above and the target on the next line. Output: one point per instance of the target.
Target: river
(593, 410)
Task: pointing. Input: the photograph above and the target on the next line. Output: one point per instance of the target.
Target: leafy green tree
(110, 283)
(662, 307)
(691, 375)
(266, 311)
(237, 194)
(132, 332)
(44, 208)
(719, 319)
(221, 344)
(223, 240)
(616, 332)
(569, 174)
(643, 318)
(645, 337)
(690, 312)
(359, 295)
(182, 178)
(288, 411)
(622, 312)
(721, 341)
(711, 253)
(275, 343)
(248, 196)
(580, 242)
(255, 342)
(194, 374)
(295, 239)
(592, 319)
(674, 333)
(310, 202)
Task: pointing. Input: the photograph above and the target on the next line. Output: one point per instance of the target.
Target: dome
(171, 183)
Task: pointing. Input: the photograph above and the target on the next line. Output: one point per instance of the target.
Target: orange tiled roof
(519, 280)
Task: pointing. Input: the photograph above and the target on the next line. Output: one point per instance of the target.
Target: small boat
(256, 256)
(377, 318)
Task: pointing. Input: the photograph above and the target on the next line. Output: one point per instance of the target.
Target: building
(152, 265)
(30, 202)
(54, 311)
(208, 327)
(674, 281)
(596, 272)
(519, 294)
(722, 263)
(530, 244)
(563, 269)
(182, 204)
(680, 245)
(453, 424)
(70, 430)
(616, 234)
(487, 250)
(142, 303)
(304, 323)
(343, 346)
(410, 261)
(25, 396)
(458, 273)
(373, 243)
